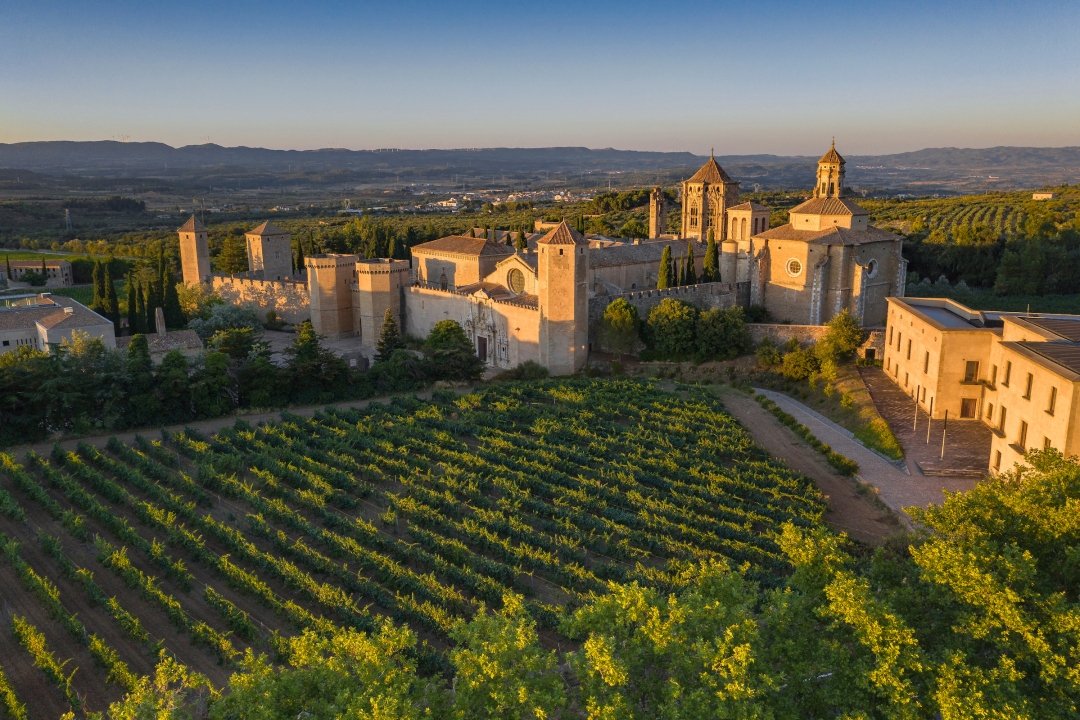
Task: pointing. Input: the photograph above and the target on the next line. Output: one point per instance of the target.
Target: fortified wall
(288, 298)
(704, 296)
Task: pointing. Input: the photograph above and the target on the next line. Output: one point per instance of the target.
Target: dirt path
(849, 511)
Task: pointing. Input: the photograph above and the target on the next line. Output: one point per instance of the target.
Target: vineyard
(423, 512)
(1005, 214)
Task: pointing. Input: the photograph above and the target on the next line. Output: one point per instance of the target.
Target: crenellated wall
(288, 298)
(704, 296)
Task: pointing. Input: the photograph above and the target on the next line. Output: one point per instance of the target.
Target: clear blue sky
(779, 77)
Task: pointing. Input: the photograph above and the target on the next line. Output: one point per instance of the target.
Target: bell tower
(194, 252)
(830, 174)
(657, 213)
(563, 299)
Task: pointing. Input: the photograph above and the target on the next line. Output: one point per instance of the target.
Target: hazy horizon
(768, 79)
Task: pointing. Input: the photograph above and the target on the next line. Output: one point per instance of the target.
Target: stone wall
(807, 334)
(704, 296)
(288, 298)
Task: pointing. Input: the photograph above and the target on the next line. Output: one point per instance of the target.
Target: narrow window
(926, 363)
(1053, 401)
(888, 363)
(899, 340)
(997, 459)
(890, 334)
(1001, 419)
(742, 229)
(1027, 388)
(1046, 443)
(993, 375)
(905, 379)
(971, 371)
(1008, 372)
(1023, 435)
(989, 412)
(908, 349)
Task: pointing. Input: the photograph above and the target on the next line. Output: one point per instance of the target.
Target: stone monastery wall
(704, 296)
(288, 298)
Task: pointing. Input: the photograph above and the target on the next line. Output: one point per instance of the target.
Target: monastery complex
(538, 304)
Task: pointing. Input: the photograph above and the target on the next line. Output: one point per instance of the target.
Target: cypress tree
(7, 263)
(140, 312)
(174, 316)
(99, 289)
(132, 304)
(389, 339)
(44, 270)
(148, 308)
(710, 272)
(299, 263)
(522, 244)
(690, 272)
(663, 277)
(110, 303)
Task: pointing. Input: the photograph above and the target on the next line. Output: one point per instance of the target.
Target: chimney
(159, 320)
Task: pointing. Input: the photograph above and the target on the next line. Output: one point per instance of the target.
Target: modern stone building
(1017, 373)
(58, 273)
(39, 321)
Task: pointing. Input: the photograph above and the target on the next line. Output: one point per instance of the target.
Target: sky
(743, 78)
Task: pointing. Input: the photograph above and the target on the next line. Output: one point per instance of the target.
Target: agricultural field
(204, 547)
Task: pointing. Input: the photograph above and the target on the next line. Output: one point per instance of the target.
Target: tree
(451, 353)
(112, 303)
(174, 387)
(99, 289)
(722, 334)
(844, 335)
(633, 228)
(710, 272)
(233, 257)
(502, 670)
(389, 338)
(314, 373)
(132, 304)
(7, 268)
(212, 387)
(664, 277)
(671, 329)
(224, 317)
(149, 296)
(298, 259)
(144, 407)
(167, 695)
(690, 271)
(140, 311)
(237, 343)
(799, 364)
(522, 243)
(619, 327)
(174, 316)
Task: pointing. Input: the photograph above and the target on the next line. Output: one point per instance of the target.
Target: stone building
(826, 259)
(1017, 373)
(269, 252)
(57, 272)
(41, 320)
(657, 213)
(194, 252)
(706, 197)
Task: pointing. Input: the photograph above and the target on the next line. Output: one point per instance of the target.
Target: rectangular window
(1008, 372)
(968, 407)
(1053, 401)
(993, 374)
(1022, 440)
(899, 340)
(888, 363)
(1001, 419)
(1027, 388)
(908, 349)
(997, 459)
(926, 363)
(971, 371)
(905, 379)
(989, 412)
(1046, 443)
(890, 335)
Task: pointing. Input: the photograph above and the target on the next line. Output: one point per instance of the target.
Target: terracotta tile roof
(829, 236)
(267, 228)
(531, 301)
(749, 206)
(172, 340)
(461, 245)
(832, 156)
(828, 206)
(492, 289)
(192, 225)
(563, 234)
(710, 172)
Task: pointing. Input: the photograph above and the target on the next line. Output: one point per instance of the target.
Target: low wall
(807, 334)
(704, 296)
(288, 298)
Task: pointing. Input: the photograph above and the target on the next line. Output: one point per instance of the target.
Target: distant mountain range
(957, 169)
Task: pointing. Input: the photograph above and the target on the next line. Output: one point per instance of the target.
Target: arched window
(693, 217)
(742, 230)
(734, 229)
(755, 226)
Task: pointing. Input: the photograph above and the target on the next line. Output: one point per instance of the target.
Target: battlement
(330, 261)
(251, 279)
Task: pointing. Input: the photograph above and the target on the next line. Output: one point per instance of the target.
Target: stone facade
(194, 252)
(377, 289)
(330, 294)
(706, 197)
(270, 252)
(562, 272)
(288, 298)
(57, 272)
(657, 213)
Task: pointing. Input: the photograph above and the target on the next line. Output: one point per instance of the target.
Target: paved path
(896, 488)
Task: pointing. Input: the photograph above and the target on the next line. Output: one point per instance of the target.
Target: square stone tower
(706, 197)
(269, 251)
(194, 252)
(330, 279)
(561, 287)
(377, 289)
(657, 213)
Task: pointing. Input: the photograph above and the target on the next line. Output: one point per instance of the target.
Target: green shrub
(672, 326)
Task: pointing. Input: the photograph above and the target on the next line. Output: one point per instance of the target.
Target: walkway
(967, 442)
(896, 488)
